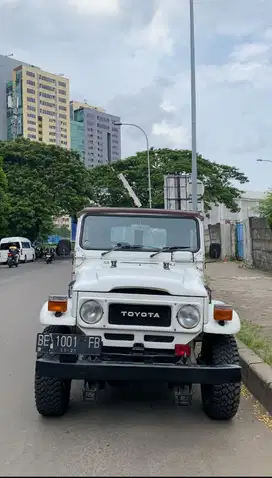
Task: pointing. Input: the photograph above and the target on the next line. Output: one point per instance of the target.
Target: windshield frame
(138, 216)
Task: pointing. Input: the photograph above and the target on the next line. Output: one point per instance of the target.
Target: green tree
(265, 207)
(107, 189)
(61, 231)
(4, 201)
(43, 181)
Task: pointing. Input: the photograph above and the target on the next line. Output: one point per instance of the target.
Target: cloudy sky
(132, 57)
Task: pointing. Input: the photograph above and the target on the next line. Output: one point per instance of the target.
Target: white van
(27, 251)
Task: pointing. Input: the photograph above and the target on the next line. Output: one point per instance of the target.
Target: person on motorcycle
(13, 249)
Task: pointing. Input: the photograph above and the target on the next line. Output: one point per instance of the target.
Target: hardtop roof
(136, 210)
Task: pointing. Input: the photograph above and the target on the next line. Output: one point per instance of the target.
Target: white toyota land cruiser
(138, 309)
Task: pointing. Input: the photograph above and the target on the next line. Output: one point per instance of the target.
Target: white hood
(181, 280)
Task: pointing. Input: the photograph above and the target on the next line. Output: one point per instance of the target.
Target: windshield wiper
(169, 249)
(121, 246)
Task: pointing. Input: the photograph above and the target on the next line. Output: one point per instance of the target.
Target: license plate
(68, 344)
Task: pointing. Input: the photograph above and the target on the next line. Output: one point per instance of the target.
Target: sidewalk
(248, 290)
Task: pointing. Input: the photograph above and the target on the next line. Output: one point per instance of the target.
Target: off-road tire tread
(221, 402)
(52, 394)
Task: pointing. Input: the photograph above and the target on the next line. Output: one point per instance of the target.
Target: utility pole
(193, 107)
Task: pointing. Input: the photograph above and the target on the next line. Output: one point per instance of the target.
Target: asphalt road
(126, 433)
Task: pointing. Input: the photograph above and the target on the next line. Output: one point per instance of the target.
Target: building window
(31, 100)
(31, 129)
(47, 87)
(47, 112)
(31, 108)
(62, 92)
(30, 90)
(30, 73)
(30, 82)
(62, 116)
(47, 95)
(31, 136)
(31, 122)
(62, 108)
(46, 78)
(61, 83)
(63, 100)
(30, 115)
(46, 103)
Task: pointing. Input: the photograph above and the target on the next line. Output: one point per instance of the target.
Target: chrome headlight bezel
(192, 312)
(99, 314)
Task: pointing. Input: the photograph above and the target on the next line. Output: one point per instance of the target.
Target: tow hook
(90, 390)
(183, 395)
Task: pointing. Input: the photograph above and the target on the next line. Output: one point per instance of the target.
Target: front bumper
(83, 369)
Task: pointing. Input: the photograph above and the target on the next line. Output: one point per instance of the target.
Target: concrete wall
(261, 243)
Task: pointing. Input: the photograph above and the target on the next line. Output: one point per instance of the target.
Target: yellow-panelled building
(38, 106)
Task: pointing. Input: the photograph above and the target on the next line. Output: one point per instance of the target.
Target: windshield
(103, 232)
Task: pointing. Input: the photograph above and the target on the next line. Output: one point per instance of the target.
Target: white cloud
(96, 7)
(173, 136)
(153, 36)
(249, 51)
(167, 106)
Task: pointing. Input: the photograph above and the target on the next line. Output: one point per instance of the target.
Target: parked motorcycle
(12, 260)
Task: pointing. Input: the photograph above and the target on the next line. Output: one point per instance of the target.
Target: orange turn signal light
(58, 303)
(222, 312)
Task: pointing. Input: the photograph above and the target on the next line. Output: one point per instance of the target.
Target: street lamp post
(193, 107)
(148, 157)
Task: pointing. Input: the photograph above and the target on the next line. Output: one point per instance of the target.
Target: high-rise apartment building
(94, 134)
(7, 65)
(38, 106)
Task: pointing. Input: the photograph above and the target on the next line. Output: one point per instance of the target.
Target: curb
(256, 375)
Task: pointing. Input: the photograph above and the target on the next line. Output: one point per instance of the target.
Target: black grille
(142, 315)
(139, 290)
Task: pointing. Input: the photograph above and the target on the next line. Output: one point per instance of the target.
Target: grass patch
(251, 335)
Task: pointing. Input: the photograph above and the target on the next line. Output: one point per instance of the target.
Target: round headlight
(188, 316)
(91, 312)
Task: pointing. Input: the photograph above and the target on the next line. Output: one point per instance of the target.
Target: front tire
(52, 394)
(220, 402)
